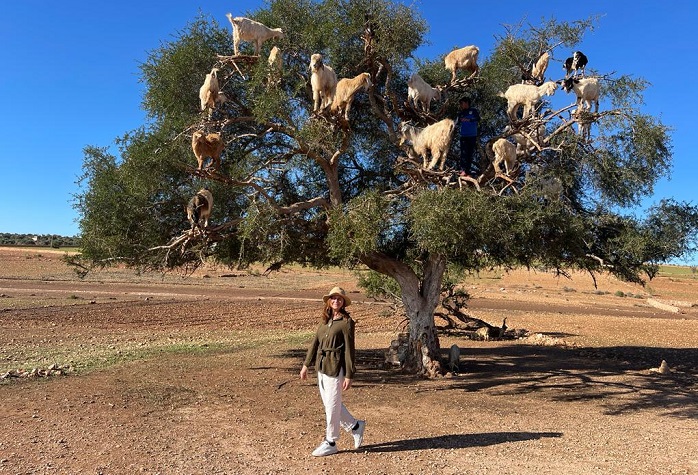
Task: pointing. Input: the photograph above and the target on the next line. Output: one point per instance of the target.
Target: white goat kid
(504, 151)
(587, 91)
(420, 92)
(323, 80)
(434, 139)
(245, 29)
(346, 90)
(526, 95)
(463, 58)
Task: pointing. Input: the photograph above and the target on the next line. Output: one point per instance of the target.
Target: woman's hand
(346, 384)
(304, 372)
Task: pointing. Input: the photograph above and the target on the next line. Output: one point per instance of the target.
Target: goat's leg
(434, 160)
(442, 161)
(236, 42)
(316, 100)
(347, 109)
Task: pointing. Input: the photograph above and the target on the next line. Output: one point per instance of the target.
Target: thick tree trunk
(420, 299)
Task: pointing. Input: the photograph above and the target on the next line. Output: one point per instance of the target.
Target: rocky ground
(198, 375)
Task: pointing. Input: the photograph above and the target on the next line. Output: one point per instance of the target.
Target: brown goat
(199, 208)
(209, 145)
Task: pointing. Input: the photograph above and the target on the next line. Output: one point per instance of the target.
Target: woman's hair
(327, 312)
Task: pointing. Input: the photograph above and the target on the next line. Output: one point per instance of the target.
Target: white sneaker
(325, 449)
(358, 434)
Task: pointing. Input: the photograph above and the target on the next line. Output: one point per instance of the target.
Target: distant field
(30, 248)
(679, 271)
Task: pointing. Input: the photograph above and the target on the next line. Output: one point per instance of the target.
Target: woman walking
(333, 352)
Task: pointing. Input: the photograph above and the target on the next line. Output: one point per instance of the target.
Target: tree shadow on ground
(617, 377)
(370, 364)
(457, 441)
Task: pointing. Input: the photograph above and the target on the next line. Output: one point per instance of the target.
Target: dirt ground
(199, 375)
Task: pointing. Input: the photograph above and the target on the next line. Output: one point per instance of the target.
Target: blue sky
(70, 79)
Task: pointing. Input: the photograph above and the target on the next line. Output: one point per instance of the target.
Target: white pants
(336, 413)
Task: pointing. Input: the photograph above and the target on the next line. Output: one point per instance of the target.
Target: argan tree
(316, 189)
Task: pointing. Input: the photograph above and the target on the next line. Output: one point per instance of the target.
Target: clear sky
(71, 78)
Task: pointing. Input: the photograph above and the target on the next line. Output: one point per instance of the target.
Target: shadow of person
(457, 441)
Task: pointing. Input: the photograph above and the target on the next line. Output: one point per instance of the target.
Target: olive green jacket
(333, 348)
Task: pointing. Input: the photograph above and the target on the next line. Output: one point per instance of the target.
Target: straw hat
(337, 291)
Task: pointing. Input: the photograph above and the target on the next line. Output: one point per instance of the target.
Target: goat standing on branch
(575, 62)
(204, 146)
(323, 80)
(346, 90)
(587, 91)
(419, 92)
(209, 92)
(245, 29)
(463, 58)
(199, 208)
(526, 95)
(504, 151)
(434, 139)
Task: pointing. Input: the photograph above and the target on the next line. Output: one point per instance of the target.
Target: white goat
(434, 139)
(527, 138)
(208, 92)
(419, 91)
(346, 90)
(199, 208)
(245, 29)
(323, 80)
(538, 71)
(504, 151)
(526, 95)
(463, 58)
(586, 89)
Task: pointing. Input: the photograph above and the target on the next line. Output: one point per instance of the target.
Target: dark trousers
(467, 149)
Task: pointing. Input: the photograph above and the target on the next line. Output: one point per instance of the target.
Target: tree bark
(420, 298)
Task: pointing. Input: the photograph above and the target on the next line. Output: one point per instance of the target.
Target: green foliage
(360, 228)
(305, 187)
(177, 69)
(378, 286)
(478, 229)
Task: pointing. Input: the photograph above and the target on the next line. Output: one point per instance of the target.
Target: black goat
(575, 62)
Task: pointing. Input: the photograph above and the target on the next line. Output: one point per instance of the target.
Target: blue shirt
(468, 119)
